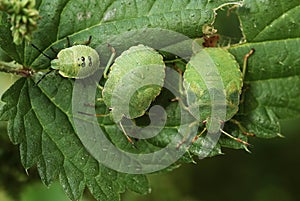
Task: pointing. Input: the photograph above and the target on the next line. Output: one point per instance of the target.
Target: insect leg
(197, 136)
(127, 137)
(88, 41)
(68, 42)
(246, 61)
(121, 125)
(113, 54)
(94, 115)
(100, 87)
(244, 89)
(181, 96)
(54, 50)
(235, 138)
(43, 77)
(185, 137)
(241, 128)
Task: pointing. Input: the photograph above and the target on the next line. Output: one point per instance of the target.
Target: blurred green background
(270, 172)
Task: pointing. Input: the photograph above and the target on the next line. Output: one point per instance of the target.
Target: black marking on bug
(83, 61)
(90, 60)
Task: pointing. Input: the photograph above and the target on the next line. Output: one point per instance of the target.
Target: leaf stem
(9, 67)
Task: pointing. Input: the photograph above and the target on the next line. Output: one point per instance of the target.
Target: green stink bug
(204, 87)
(134, 80)
(78, 61)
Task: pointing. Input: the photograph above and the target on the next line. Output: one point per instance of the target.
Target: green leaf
(39, 116)
(272, 85)
(39, 120)
(270, 20)
(273, 73)
(105, 19)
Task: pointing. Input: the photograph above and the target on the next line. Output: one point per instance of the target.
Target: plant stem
(13, 68)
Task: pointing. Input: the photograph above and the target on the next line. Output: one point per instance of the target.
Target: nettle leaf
(262, 21)
(272, 79)
(40, 116)
(41, 125)
(104, 19)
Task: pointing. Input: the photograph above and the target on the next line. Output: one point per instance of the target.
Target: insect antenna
(45, 56)
(41, 51)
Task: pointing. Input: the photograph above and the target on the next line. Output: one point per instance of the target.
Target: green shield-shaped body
(213, 81)
(79, 61)
(135, 79)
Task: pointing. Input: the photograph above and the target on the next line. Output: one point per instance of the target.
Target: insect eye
(83, 58)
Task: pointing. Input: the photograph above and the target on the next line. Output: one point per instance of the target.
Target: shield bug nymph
(202, 87)
(77, 61)
(134, 80)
